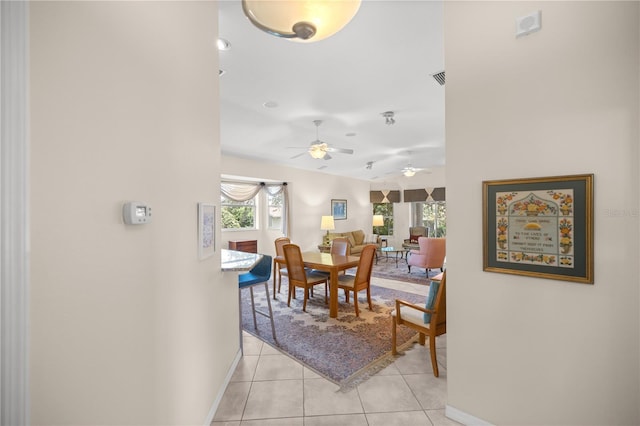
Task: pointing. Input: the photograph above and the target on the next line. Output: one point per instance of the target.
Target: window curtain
(240, 191)
(275, 189)
(243, 191)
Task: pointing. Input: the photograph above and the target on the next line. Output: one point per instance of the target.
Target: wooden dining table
(332, 263)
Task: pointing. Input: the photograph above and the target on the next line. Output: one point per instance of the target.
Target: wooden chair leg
(306, 296)
(355, 302)
(421, 339)
(369, 298)
(394, 351)
(432, 350)
(291, 290)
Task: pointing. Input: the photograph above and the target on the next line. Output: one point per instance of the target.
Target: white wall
(560, 101)
(127, 325)
(310, 197)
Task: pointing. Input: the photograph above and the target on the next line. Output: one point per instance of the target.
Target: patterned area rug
(387, 268)
(345, 350)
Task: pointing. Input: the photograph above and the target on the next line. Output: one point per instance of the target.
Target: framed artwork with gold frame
(539, 227)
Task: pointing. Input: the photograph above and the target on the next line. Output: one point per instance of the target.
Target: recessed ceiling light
(223, 44)
(270, 104)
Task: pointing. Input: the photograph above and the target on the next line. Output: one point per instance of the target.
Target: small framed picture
(206, 230)
(339, 209)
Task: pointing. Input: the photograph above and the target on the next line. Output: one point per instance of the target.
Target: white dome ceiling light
(301, 20)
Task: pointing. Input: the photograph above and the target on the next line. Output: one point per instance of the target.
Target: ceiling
(383, 60)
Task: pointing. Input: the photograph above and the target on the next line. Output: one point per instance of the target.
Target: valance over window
(426, 194)
(385, 196)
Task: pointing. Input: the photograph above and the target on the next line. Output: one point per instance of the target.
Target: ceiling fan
(410, 171)
(319, 149)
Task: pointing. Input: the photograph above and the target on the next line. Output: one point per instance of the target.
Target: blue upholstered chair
(259, 274)
(429, 319)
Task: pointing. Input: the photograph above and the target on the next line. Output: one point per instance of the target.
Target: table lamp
(326, 224)
(378, 220)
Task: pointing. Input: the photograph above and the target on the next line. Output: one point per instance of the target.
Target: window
(386, 210)
(238, 214)
(433, 215)
(275, 206)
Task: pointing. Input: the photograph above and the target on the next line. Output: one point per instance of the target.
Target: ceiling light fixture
(308, 20)
(388, 118)
(317, 152)
(409, 172)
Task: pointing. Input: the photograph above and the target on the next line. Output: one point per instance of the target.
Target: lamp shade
(378, 220)
(300, 20)
(326, 224)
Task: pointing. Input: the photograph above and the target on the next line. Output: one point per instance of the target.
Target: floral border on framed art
(539, 227)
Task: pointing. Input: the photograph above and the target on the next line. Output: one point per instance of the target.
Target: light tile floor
(269, 388)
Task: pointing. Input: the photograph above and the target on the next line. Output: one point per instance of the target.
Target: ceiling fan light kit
(317, 152)
(302, 20)
(320, 150)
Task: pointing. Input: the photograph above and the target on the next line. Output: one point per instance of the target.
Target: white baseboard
(227, 380)
(464, 418)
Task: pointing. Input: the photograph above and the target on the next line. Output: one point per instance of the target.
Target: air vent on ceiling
(439, 77)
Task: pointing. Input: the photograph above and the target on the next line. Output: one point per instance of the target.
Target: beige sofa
(356, 240)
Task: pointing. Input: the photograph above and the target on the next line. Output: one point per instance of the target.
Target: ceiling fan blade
(340, 150)
(326, 156)
(298, 155)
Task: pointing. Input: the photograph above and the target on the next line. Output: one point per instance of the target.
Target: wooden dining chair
(279, 264)
(429, 319)
(299, 276)
(362, 279)
(340, 246)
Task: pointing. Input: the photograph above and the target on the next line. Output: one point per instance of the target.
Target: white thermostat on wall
(135, 213)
